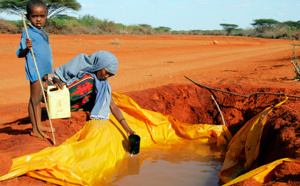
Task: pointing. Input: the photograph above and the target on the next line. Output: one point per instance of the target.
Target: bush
(53, 25)
(87, 20)
(87, 24)
(274, 34)
(7, 27)
(162, 29)
(106, 26)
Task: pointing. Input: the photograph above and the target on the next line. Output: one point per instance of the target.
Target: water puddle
(188, 163)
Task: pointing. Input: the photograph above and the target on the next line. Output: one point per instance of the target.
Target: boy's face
(38, 16)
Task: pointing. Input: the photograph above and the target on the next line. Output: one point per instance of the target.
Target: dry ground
(151, 71)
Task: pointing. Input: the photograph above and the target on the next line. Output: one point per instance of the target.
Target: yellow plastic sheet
(262, 174)
(243, 149)
(166, 129)
(92, 155)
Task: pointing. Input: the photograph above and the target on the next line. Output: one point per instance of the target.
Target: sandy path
(151, 61)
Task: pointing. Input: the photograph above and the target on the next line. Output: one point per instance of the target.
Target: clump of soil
(286, 174)
(249, 182)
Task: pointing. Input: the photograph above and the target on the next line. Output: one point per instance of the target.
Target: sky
(186, 14)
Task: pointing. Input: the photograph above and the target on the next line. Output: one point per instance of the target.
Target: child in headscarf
(100, 65)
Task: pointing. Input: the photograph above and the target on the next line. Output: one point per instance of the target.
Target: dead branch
(245, 96)
(297, 69)
(212, 97)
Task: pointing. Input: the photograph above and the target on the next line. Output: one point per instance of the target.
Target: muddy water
(189, 163)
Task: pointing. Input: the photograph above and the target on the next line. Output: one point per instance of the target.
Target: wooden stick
(212, 97)
(297, 69)
(245, 96)
(39, 79)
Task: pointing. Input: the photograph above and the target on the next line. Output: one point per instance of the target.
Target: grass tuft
(116, 42)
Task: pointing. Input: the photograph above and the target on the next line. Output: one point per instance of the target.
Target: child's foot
(39, 134)
(45, 129)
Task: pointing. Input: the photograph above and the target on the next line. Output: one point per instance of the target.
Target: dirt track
(150, 62)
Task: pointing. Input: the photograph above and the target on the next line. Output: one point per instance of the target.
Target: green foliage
(105, 25)
(141, 29)
(87, 20)
(133, 27)
(13, 6)
(162, 29)
(68, 20)
(291, 25)
(265, 23)
(88, 24)
(145, 25)
(195, 32)
(121, 27)
(56, 22)
(54, 6)
(18, 23)
(262, 25)
(228, 27)
(64, 17)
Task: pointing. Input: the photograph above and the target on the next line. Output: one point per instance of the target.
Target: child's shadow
(23, 121)
(11, 131)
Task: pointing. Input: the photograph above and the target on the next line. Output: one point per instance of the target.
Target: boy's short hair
(32, 3)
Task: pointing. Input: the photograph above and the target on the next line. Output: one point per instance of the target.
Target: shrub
(274, 33)
(54, 24)
(116, 42)
(87, 20)
(248, 32)
(72, 22)
(162, 29)
(87, 24)
(7, 27)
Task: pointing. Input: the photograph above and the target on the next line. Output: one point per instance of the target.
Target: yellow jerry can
(58, 102)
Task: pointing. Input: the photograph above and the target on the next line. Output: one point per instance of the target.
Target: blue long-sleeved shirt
(42, 53)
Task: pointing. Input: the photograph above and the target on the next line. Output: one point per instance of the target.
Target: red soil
(151, 71)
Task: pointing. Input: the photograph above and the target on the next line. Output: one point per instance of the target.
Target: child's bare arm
(25, 51)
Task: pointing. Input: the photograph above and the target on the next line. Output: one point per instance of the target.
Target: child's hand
(28, 43)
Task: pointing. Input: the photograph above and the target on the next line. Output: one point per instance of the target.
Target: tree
(262, 25)
(54, 6)
(145, 25)
(64, 17)
(292, 25)
(228, 27)
(162, 29)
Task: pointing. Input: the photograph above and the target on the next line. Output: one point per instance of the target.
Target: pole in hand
(37, 70)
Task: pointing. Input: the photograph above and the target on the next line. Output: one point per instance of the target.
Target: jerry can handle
(50, 87)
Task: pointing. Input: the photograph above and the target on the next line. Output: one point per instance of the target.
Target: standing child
(39, 42)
